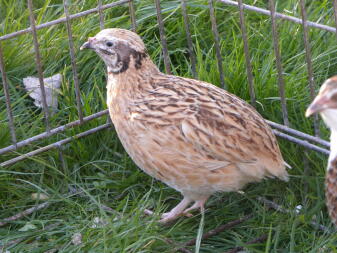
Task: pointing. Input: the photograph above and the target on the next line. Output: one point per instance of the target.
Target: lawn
(98, 181)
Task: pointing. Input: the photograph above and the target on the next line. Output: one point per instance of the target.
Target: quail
(325, 104)
(191, 135)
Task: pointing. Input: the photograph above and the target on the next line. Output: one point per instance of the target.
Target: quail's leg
(175, 212)
(197, 204)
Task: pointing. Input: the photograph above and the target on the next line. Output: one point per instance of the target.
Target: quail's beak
(90, 44)
(86, 45)
(320, 103)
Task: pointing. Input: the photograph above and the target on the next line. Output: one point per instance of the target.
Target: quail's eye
(109, 44)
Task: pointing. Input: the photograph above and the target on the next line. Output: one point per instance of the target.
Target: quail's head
(120, 49)
(325, 103)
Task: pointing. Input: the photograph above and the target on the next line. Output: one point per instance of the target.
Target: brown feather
(331, 190)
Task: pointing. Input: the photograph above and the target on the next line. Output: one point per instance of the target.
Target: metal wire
(38, 64)
(247, 56)
(309, 61)
(53, 131)
(73, 62)
(132, 16)
(335, 15)
(299, 134)
(54, 145)
(216, 43)
(278, 64)
(227, 2)
(163, 37)
(61, 157)
(8, 99)
(101, 15)
(280, 15)
(63, 20)
(189, 39)
(301, 142)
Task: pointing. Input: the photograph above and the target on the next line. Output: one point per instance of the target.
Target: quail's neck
(333, 146)
(147, 68)
(133, 79)
(330, 118)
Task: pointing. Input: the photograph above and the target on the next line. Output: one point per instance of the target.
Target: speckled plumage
(331, 190)
(326, 104)
(191, 135)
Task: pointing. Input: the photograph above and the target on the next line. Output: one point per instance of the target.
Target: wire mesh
(284, 131)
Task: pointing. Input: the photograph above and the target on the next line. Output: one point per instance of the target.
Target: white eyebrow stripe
(114, 39)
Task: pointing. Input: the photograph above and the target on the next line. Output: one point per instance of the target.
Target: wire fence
(282, 130)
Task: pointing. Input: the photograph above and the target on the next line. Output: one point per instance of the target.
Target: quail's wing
(224, 128)
(220, 126)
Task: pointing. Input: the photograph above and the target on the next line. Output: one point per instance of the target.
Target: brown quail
(189, 134)
(326, 104)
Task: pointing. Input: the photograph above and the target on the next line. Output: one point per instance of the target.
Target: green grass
(100, 170)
